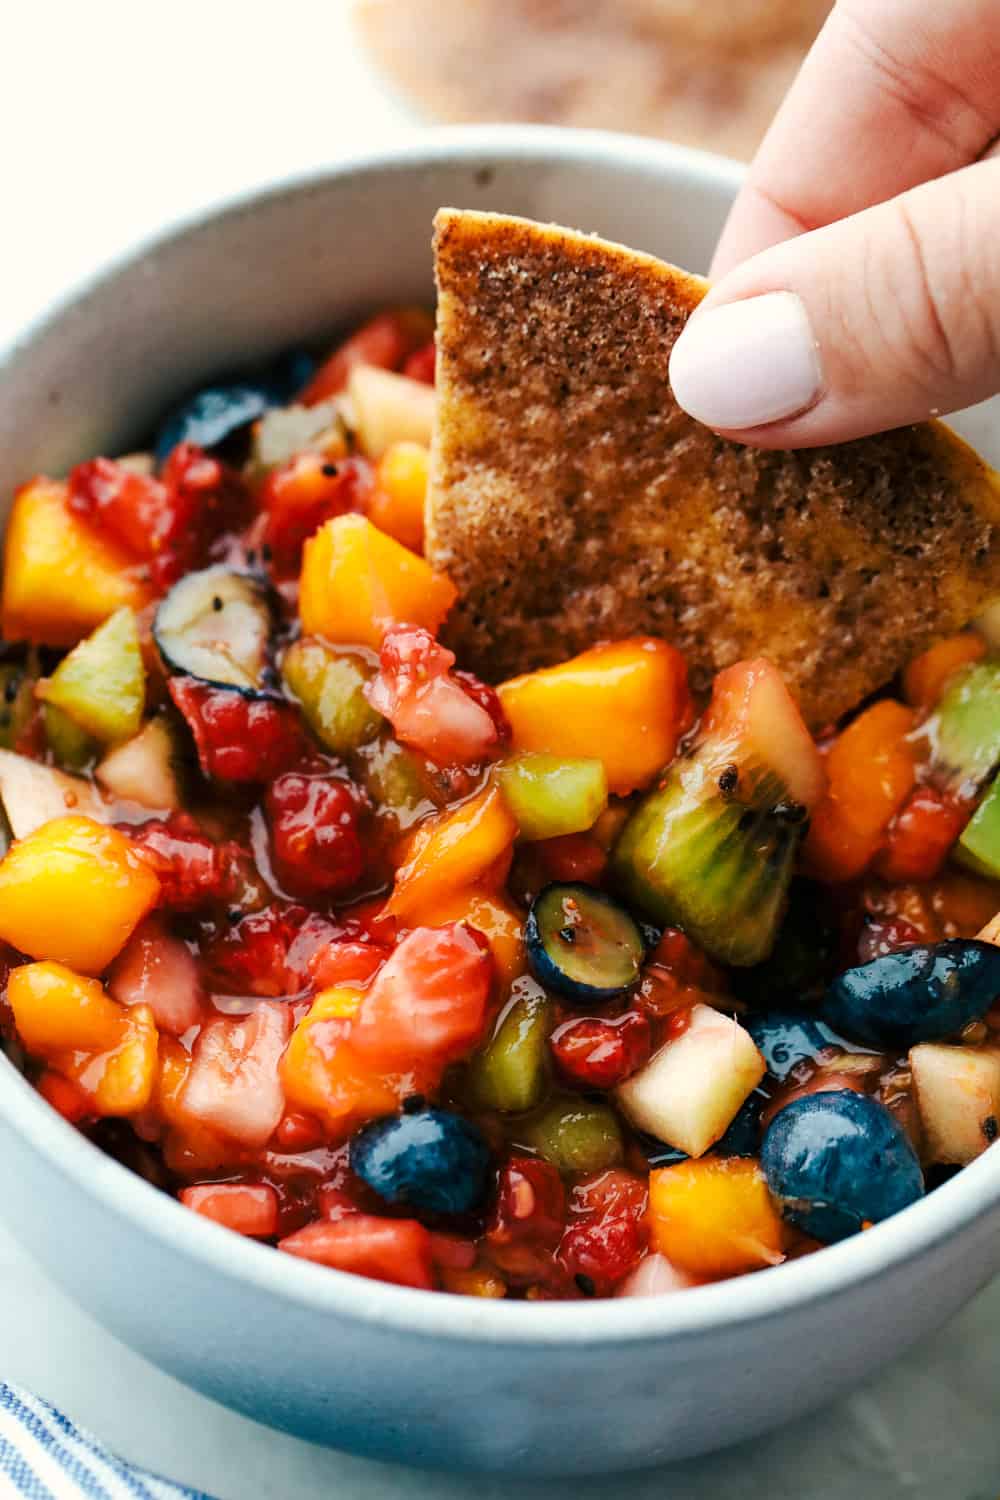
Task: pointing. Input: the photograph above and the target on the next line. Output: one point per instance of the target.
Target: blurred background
(708, 73)
(119, 114)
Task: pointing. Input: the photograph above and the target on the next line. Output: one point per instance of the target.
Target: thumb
(889, 317)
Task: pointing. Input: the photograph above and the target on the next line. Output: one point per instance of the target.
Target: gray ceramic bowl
(437, 1380)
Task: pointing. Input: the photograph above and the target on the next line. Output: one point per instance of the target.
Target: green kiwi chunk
(101, 684)
(964, 731)
(712, 850)
(510, 1073)
(329, 685)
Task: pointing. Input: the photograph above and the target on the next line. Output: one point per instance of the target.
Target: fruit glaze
(565, 988)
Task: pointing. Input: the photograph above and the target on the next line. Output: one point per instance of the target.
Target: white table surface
(113, 115)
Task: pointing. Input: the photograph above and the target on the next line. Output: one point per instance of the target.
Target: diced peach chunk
(625, 703)
(357, 582)
(450, 853)
(61, 577)
(74, 891)
(714, 1217)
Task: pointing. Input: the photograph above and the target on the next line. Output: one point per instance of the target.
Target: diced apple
(142, 769)
(33, 794)
(958, 1096)
(690, 1090)
(390, 409)
(655, 1276)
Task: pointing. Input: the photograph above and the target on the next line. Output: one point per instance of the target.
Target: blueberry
(429, 1160)
(786, 1038)
(582, 945)
(215, 413)
(838, 1160)
(211, 416)
(920, 994)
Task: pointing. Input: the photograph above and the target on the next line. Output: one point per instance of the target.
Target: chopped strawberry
(921, 836)
(247, 1208)
(573, 856)
(172, 520)
(298, 1132)
(396, 1250)
(346, 963)
(238, 738)
(316, 846)
(303, 493)
(429, 1002)
(429, 707)
(386, 340)
(595, 1053)
(421, 365)
(233, 1085)
(160, 971)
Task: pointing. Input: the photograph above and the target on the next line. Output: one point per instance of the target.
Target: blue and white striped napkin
(45, 1456)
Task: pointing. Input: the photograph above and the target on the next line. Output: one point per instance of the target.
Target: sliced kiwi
(712, 848)
(964, 731)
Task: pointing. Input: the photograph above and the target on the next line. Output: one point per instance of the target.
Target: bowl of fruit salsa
(573, 990)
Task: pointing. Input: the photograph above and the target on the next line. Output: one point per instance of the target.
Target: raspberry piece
(594, 1053)
(192, 870)
(238, 738)
(316, 847)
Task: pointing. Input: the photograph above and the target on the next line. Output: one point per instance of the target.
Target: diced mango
(451, 852)
(499, 921)
(74, 891)
(925, 678)
(691, 1089)
(106, 1050)
(397, 506)
(871, 769)
(61, 577)
(626, 703)
(357, 582)
(322, 1074)
(714, 1217)
(121, 1081)
(56, 1010)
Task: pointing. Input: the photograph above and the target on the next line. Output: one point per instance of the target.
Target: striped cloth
(45, 1456)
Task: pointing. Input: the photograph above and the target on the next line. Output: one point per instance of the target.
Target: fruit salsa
(571, 986)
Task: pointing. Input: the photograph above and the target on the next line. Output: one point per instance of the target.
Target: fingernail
(748, 363)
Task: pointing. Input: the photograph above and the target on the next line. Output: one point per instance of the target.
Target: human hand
(871, 219)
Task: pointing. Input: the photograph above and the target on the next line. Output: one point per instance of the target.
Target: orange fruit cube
(357, 582)
(74, 891)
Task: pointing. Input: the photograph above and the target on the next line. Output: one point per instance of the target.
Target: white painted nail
(748, 363)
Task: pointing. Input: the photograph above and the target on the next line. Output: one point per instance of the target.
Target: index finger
(891, 95)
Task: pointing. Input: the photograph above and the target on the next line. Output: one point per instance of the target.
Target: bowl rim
(701, 1310)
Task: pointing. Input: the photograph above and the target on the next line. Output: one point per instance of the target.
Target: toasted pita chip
(572, 500)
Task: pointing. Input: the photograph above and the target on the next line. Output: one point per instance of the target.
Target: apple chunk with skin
(690, 1090)
(958, 1097)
